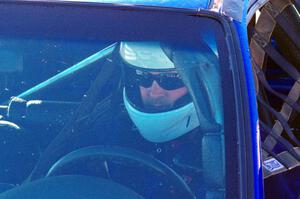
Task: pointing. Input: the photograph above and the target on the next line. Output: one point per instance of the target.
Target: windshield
(136, 101)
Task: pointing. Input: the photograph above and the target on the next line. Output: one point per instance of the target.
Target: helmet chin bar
(163, 126)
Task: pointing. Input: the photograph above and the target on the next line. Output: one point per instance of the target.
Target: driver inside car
(154, 114)
(163, 117)
(160, 106)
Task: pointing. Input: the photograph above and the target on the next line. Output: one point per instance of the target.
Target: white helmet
(162, 125)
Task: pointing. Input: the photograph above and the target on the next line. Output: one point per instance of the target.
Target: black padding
(71, 187)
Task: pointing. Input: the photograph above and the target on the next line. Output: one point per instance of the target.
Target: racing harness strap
(277, 15)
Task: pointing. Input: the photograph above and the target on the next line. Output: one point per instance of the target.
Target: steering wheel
(124, 157)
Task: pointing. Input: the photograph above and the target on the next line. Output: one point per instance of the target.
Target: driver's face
(158, 98)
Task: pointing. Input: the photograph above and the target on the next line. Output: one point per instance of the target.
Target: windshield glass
(136, 101)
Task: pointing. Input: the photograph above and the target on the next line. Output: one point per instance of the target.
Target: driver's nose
(156, 90)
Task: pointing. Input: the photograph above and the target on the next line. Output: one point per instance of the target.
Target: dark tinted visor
(167, 80)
